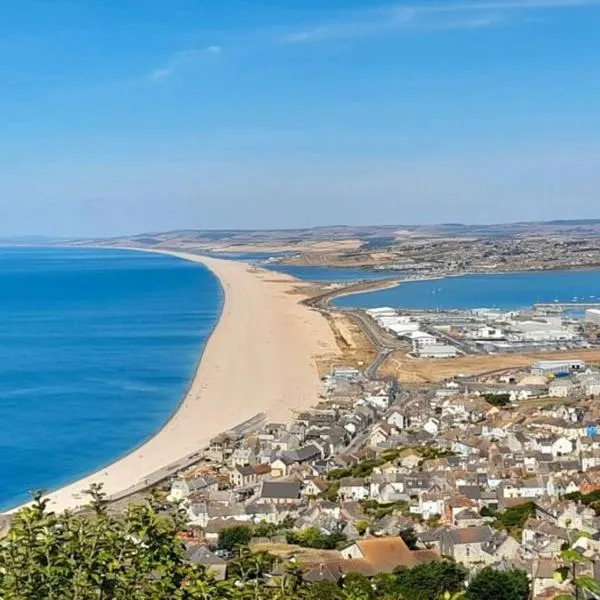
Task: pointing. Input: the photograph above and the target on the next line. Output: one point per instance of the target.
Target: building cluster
(449, 255)
(372, 461)
(448, 333)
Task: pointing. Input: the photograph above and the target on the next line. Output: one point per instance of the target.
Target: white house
(561, 446)
(353, 488)
(432, 427)
(398, 419)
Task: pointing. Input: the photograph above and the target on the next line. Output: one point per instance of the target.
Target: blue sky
(122, 116)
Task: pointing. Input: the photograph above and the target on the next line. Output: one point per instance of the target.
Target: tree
(429, 581)
(490, 584)
(410, 538)
(499, 400)
(513, 518)
(95, 556)
(357, 586)
(234, 537)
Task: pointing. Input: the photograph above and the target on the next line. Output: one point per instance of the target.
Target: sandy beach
(261, 357)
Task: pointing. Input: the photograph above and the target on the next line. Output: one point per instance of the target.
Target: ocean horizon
(97, 348)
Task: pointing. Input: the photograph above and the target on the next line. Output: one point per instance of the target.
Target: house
(202, 556)
(543, 578)
(430, 504)
(468, 517)
(314, 488)
(391, 525)
(398, 419)
(242, 456)
(182, 488)
(353, 488)
(560, 388)
(432, 426)
(410, 459)
(380, 435)
(383, 555)
(561, 446)
(280, 466)
(500, 547)
(279, 492)
(465, 545)
(243, 476)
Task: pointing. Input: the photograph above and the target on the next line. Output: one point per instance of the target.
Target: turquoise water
(97, 348)
(504, 291)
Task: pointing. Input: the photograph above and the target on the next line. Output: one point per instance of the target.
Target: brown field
(354, 348)
(410, 370)
(301, 554)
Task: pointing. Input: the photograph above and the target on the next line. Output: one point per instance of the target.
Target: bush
(235, 537)
(490, 584)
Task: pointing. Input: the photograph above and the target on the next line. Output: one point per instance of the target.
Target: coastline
(260, 358)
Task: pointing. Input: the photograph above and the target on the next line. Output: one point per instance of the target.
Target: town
(498, 471)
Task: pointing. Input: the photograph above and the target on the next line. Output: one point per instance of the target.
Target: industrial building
(435, 351)
(557, 367)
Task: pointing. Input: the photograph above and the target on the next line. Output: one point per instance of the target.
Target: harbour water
(97, 348)
(503, 291)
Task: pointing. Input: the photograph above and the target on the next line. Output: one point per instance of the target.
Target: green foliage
(513, 518)
(312, 537)
(429, 581)
(499, 400)
(490, 584)
(251, 566)
(331, 493)
(75, 557)
(234, 537)
(592, 499)
(362, 469)
(264, 529)
(376, 510)
(361, 527)
(486, 511)
(431, 452)
(410, 538)
(139, 556)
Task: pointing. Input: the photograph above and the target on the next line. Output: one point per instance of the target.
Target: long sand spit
(261, 357)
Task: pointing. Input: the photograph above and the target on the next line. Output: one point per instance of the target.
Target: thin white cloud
(182, 59)
(469, 14)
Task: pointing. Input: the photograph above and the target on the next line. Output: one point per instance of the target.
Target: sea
(97, 349)
(504, 291)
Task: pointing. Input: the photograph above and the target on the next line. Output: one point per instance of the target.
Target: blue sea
(503, 291)
(97, 348)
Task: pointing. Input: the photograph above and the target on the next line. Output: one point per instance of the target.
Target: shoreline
(249, 366)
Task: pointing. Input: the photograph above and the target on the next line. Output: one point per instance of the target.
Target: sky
(129, 116)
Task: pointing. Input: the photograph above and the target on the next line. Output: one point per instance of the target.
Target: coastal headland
(261, 358)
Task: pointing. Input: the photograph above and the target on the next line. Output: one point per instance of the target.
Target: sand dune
(260, 358)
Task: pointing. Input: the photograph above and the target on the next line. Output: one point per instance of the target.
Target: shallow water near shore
(97, 349)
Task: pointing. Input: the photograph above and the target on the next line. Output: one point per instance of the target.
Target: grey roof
(492, 545)
(305, 453)
(246, 471)
(472, 492)
(200, 555)
(281, 490)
